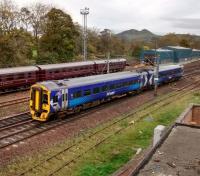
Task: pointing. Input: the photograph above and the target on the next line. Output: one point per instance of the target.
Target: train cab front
(40, 102)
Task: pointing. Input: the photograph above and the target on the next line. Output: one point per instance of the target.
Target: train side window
(87, 92)
(96, 90)
(77, 94)
(45, 99)
(119, 85)
(21, 76)
(124, 84)
(55, 99)
(29, 75)
(63, 97)
(104, 88)
(112, 86)
(10, 78)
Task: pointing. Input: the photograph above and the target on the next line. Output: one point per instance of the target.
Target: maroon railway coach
(17, 77)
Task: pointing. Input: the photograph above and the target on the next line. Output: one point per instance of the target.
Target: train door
(36, 98)
(64, 98)
(144, 80)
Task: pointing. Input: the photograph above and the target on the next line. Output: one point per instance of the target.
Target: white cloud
(120, 15)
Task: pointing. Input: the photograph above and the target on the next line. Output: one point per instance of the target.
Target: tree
(25, 18)
(37, 19)
(8, 16)
(15, 48)
(184, 42)
(57, 44)
(169, 39)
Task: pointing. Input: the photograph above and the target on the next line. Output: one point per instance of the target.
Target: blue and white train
(51, 97)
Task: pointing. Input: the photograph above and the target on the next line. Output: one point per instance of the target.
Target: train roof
(169, 67)
(95, 79)
(65, 65)
(13, 70)
(77, 64)
(111, 60)
(83, 81)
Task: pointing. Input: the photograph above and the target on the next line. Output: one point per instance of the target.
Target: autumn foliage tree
(57, 44)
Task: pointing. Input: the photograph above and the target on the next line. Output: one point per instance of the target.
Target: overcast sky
(158, 16)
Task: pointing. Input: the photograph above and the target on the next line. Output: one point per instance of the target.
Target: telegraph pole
(156, 70)
(84, 12)
(109, 48)
(106, 34)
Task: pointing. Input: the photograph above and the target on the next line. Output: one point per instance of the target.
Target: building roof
(161, 50)
(14, 70)
(178, 47)
(195, 50)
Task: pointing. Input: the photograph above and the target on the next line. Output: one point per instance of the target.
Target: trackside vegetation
(119, 149)
(115, 151)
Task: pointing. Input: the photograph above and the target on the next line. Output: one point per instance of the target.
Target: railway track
(13, 91)
(13, 101)
(65, 158)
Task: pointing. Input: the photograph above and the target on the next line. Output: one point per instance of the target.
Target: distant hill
(132, 34)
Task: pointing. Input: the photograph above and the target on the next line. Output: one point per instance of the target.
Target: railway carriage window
(63, 97)
(130, 83)
(119, 85)
(10, 78)
(55, 99)
(45, 99)
(96, 90)
(87, 92)
(104, 88)
(125, 84)
(77, 94)
(29, 75)
(20, 76)
(112, 86)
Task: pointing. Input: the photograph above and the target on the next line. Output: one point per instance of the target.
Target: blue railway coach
(50, 97)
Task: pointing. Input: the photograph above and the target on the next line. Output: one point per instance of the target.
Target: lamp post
(84, 12)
